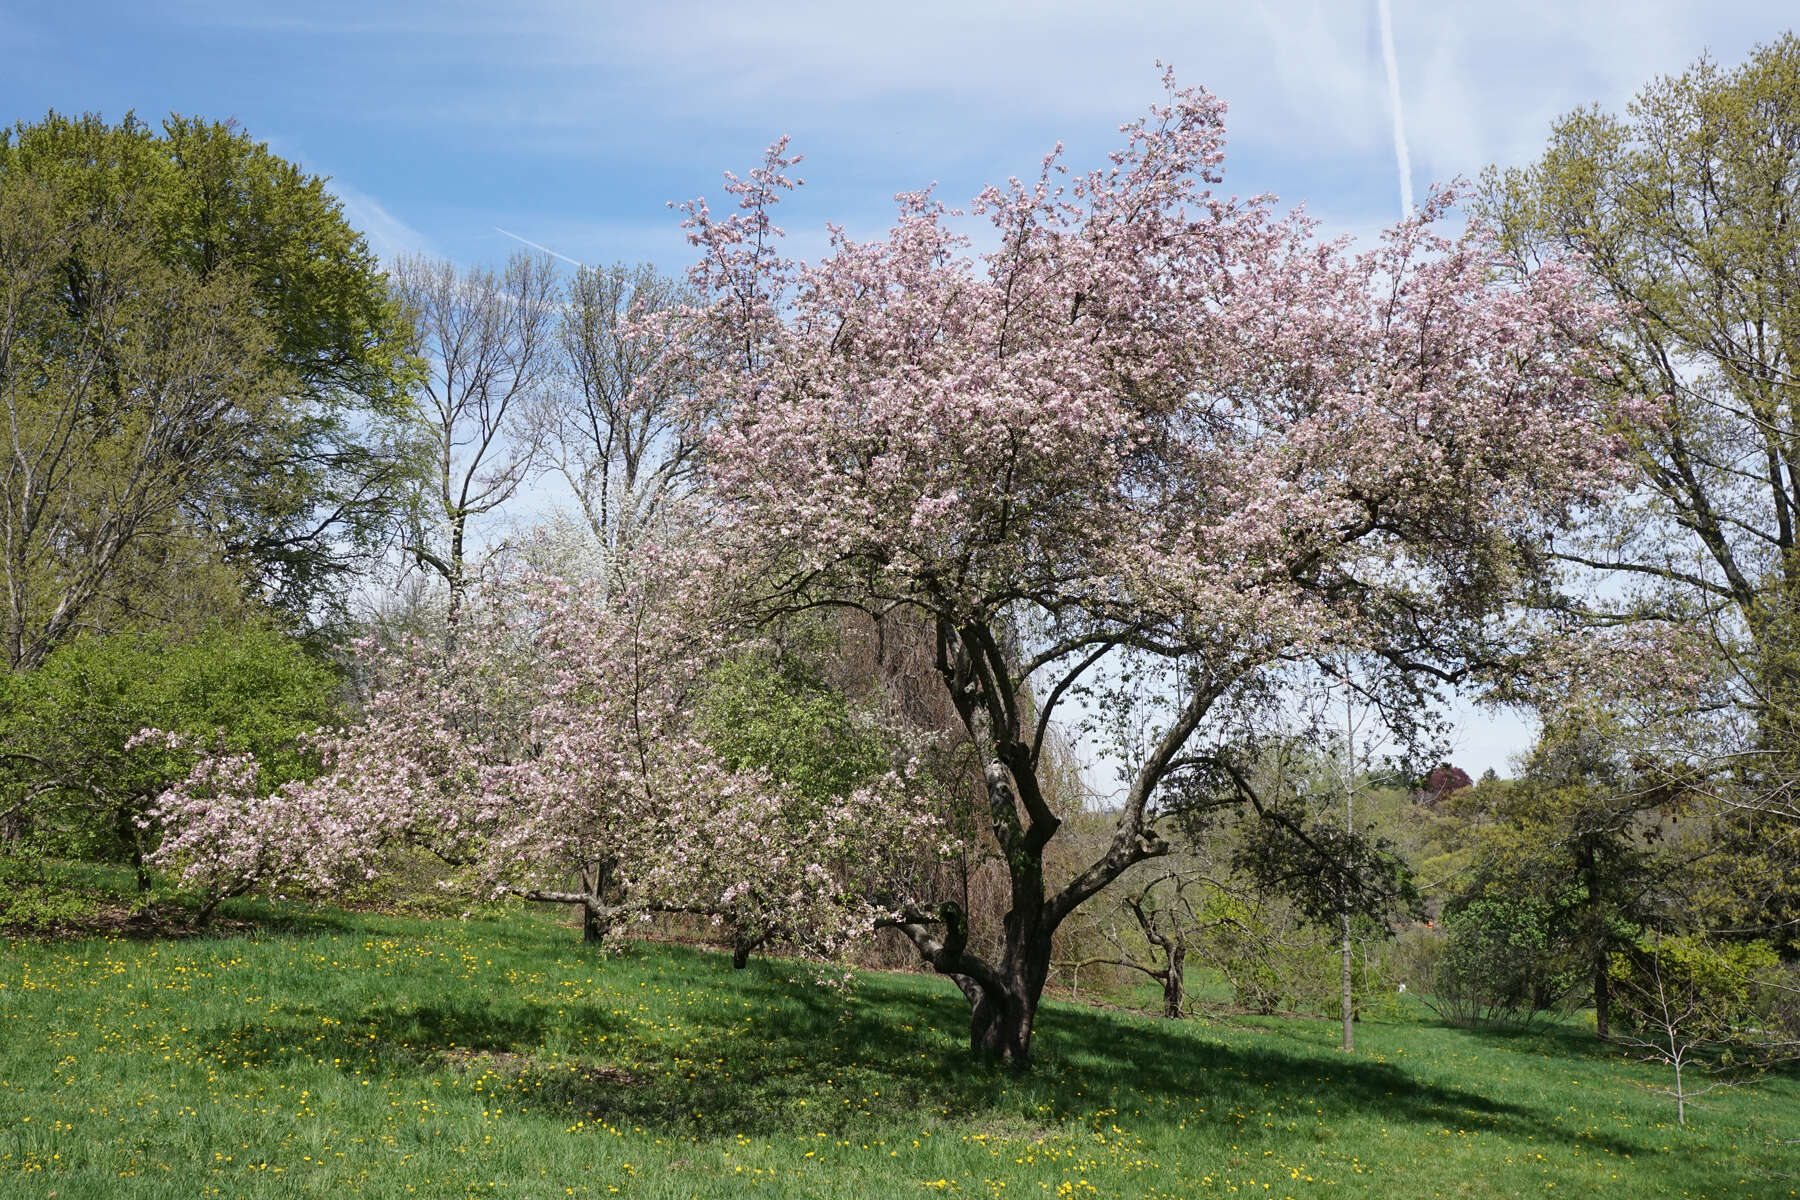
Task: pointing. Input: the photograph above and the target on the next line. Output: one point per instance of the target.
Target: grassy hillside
(351, 1055)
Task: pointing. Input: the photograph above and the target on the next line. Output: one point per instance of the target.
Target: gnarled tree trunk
(595, 916)
(1004, 995)
(743, 945)
(1174, 982)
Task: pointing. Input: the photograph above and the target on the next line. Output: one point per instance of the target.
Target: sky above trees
(573, 124)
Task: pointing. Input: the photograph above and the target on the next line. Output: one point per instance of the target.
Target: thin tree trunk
(133, 838)
(457, 580)
(593, 887)
(1602, 996)
(1349, 997)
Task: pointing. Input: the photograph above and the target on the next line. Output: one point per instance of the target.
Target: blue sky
(575, 124)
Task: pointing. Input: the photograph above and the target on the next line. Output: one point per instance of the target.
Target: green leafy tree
(783, 716)
(1687, 211)
(76, 786)
(1698, 1007)
(200, 362)
(1583, 833)
(124, 387)
(1506, 959)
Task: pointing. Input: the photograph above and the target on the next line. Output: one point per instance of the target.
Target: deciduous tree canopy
(1686, 210)
(199, 361)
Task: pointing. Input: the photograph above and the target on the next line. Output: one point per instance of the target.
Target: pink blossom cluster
(1152, 420)
(548, 753)
(224, 831)
(1150, 406)
(1152, 423)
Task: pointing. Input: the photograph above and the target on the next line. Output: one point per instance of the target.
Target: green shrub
(1504, 961)
(71, 784)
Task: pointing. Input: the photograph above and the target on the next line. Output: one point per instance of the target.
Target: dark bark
(1003, 996)
(743, 946)
(212, 902)
(1171, 939)
(1174, 982)
(133, 839)
(1003, 1013)
(1000, 1028)
(1587, 864)
(594, 912)
(1602, 997)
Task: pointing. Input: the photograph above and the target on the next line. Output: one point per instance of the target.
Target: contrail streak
(547, 250)
(1386, 13)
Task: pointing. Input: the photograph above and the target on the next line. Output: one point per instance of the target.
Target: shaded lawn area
(340, 1053)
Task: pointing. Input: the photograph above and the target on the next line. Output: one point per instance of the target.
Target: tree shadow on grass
(388, 1037)
(766, 1052)
(1554, 1039)
(259, 917)
(895, 1053)
(72, 900)
(1091, 1062)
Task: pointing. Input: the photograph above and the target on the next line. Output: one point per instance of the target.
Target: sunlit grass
(349, 1054)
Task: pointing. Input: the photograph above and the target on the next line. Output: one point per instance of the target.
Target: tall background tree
(127, 388)
(205, 420)
(1685, 209)
(613, 425)
(488, 341)
(201, 364)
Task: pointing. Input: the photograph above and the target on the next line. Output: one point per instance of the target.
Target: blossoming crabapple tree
(550, 755)
(225, 829)
(1152, 425)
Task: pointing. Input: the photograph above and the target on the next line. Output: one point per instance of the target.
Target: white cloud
(388, 236)
(1396, 108)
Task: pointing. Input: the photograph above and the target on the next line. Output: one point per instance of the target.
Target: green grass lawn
(335, 1054)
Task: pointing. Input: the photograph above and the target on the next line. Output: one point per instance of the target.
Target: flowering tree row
(548, 752)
